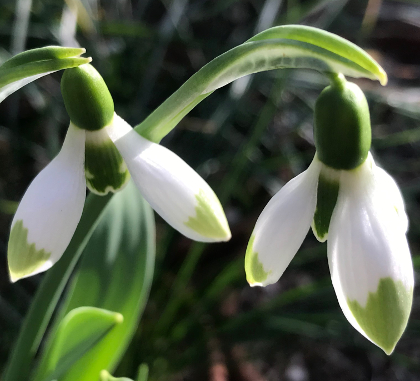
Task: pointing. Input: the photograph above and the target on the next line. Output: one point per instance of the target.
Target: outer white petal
(386, 182)
(173, 189)
(281, 228)
(50, 210)
(369, 258)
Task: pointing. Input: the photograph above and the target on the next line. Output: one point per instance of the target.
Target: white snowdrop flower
(358, 207)
(101, 151)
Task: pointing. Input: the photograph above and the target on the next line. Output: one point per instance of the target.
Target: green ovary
(254, 269)
(23, 257)
(385, 315)
(105, 168)
(206, 222)
(327, 194)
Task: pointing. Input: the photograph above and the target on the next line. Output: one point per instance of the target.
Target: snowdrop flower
(100, 151)
(348, 199)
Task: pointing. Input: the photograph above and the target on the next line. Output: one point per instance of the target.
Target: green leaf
(49, 292)
(117, 270)
(79, 331)
(33, 64)
(143, 372)
(105, 376)
(293, 46)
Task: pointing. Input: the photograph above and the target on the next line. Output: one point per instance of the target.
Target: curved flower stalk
(348, 199)
(101, 150)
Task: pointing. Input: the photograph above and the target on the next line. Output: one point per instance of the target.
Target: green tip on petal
(384, 317)
(255, 273)
(23, 257)
(208, 222)
(105, 169)
(87, 98)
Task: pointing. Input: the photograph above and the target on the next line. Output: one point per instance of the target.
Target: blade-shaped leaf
(105, 376)
(49, 292)
(117, 270)
(282, 47)
(28, 66)
(79, 331)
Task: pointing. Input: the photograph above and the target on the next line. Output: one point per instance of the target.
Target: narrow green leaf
(291, 47)
(143, 372)
(49, 292)
(117, 269)
(79, 331)
(33, 64)
(105, 376)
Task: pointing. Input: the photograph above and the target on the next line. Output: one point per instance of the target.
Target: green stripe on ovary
(23, 257)
(326, 199)
(105, 168)
(385, 315)
(206, 222)
(254, 269)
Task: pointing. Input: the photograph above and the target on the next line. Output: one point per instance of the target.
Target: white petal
(281, 228)
(5, 91)
(173, 189)
(50, 210)
(369, 258)
(385, 181)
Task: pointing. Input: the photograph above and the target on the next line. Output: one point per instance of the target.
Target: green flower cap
(87, 98)
(342, 125)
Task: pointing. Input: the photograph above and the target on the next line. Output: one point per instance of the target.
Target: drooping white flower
(100, 151)
(358, 207)
(368, 253)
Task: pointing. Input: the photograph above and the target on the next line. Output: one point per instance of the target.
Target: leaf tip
(119, 318)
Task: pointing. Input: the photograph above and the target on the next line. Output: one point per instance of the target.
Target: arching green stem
(282, 47)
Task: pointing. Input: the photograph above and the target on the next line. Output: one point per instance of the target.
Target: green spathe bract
(255, 273)
(24, 258)
(386, 313)
(206, 222)
(105, 168)
(326, 198)
(292, 46)
(42, 54)
(87, 98)
(28, 66)
(342, 125)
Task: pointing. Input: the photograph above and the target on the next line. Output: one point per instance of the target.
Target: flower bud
(342, 125)
(87, 98)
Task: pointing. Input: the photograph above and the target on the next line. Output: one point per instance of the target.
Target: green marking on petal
(326, 199)
(208, 222)
(385, 315)
(23, 257)
(105, 168)
(255, 273)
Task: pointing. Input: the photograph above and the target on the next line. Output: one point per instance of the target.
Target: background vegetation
(202, 320)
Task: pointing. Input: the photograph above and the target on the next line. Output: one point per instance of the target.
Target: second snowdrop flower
(346, 198)
(101, 151)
